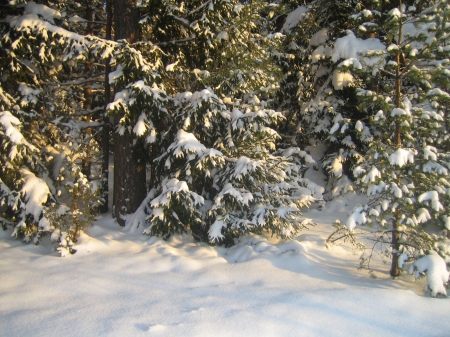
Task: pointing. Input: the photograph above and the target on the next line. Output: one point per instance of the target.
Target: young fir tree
(405, 169)
(325, 108)
(48, 128)
(218, 173)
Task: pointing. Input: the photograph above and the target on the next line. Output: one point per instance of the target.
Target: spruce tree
(324, 110)
(405, 169)
(218, 173)
(52, 103)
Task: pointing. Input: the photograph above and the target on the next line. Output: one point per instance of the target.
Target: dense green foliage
(219, 97)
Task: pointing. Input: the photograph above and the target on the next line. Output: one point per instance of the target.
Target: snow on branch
(36, 192)
(435, 269)
(401, 157)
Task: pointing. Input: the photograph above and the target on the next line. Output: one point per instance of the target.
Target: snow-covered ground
(127, 284)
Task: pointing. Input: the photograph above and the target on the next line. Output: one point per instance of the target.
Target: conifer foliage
(219, 173)
(195, 96)
(43, 127)
(404, 171)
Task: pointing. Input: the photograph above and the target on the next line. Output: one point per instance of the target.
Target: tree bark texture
(86, 161)
(395, 245)
(129, 171)
(105, 131)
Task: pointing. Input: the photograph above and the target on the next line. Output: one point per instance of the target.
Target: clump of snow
(422, 215)
(351, 46)
(115, 75)
(223, 35)
(342, 79)
(433, 196)
(35, 191)
(171, 67)
(319, 38)
(29, 95)
(48, 14)
(435, 268)
(399, 112)
(402, 259)
(336, 167)
(321, 53)
(294, 18)
(141, 126)
(358, 216)
(10, 122)
(244, 165)
(359, 126)
(401, 157)
(186, 142)
(138, 218)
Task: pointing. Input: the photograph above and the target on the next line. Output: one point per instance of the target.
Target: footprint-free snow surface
(127, 284)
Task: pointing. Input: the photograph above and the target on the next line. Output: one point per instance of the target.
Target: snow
(342, 79)
(433, 196)
(294, 18)
(359, 126)
(45, 12)
(435, 268)
(245, 165)
(186, 142)
(422, 215)
(171, 67)
(29, 94)
(140, 128)
(357, 217)
(115, 75)
(9, 123)
(320, 53)
(31, 20)
(399, 112)
(126, 284)
(223, 35)
(319, 38)
(36, 192)
(123, 283)
(401, 157)
(350, 46)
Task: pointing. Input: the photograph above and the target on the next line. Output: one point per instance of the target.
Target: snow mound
(435, 268)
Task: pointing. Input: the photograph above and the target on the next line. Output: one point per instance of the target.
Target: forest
(209, 111)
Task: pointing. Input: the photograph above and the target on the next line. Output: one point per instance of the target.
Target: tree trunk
(395, 245)
(129, 173)
(86, 161)
(395, 270)
(105, 131)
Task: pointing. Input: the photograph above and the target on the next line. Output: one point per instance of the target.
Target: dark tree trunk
(105, 131)
(395, 270)
(129, 173)
(86, 161)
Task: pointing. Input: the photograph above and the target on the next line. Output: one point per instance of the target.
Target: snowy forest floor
(127, 284)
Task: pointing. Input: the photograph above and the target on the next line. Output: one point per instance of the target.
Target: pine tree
(324, 110)
(47, 127)
(217, 173)
(200, 112)
(405, 169)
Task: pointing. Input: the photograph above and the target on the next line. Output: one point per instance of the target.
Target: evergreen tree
(217, 173)
(46, 71)
(199, 112)
(43, 127)
(405, 169)
(323, 109)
